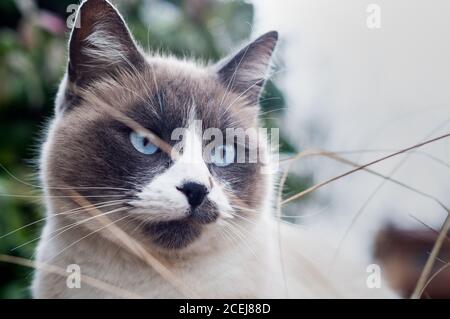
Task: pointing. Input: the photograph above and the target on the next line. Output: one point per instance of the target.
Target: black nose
(194, 192)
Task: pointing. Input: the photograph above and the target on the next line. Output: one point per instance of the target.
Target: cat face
(131, 128)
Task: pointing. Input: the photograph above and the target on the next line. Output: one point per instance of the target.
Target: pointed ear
(100, 42)
(246, 71)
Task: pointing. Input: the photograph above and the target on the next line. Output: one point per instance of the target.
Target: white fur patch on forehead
(192, 154)
(192, 146)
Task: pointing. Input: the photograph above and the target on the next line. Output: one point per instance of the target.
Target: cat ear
(246, 71)
(100, 42)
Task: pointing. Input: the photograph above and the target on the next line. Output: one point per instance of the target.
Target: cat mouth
(179, 233)
(176, 234)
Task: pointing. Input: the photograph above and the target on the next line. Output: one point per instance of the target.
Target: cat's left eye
(223, 155)
(142, 144)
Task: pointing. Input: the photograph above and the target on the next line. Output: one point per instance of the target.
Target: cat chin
(173, 235)
(179, 233)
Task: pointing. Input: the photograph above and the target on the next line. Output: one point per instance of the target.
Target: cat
(208, 221)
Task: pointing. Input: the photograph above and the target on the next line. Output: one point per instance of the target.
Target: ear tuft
(100, 42)
(246, 71)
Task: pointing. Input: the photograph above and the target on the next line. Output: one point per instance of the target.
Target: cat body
(207, 217)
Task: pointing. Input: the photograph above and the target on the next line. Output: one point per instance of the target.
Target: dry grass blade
(359, 168)
(137, 249)
(422, 282)
(387, 178)
(93, 282)
(442, 234)
(324, 281)
(278, 215)
(446, 266)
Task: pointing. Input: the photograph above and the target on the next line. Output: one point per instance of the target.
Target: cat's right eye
(142, 144)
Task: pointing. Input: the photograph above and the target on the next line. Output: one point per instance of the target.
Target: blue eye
(223, 155)
(142, 144)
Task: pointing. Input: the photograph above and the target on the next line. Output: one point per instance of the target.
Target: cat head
(131, 128)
